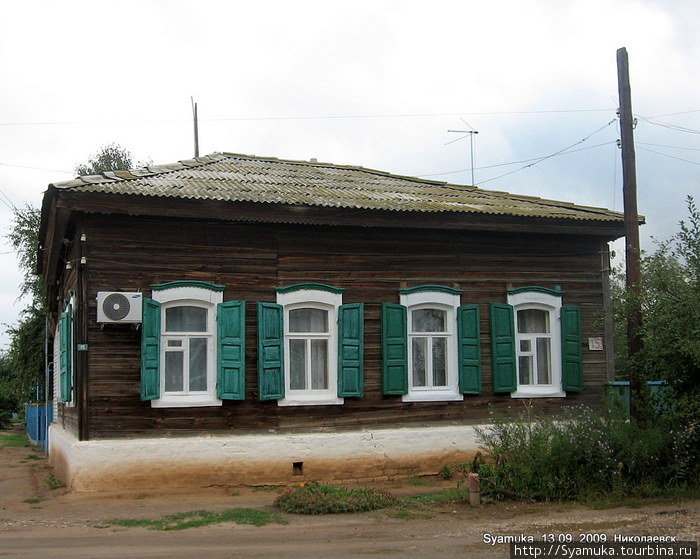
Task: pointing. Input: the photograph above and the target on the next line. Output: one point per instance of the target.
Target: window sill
(432, 397)
(327, 401)
(553, 393)
(175, 402)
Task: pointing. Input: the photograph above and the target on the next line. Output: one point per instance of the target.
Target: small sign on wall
(595, 344)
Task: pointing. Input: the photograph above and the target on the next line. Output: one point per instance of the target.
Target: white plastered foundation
(187, 462)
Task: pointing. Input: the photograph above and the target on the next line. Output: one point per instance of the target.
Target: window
(432, 351)
(66, 359)
(537, 346)
(192, 346)
(430, 345)
(310, 346)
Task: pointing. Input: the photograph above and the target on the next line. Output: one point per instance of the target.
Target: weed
(196, 518)
(317, 498)
(35, 457)
(141, 496)
(52, 482)
(16, 440)
(446, 472)
(32, 501)
(235, 493)
(275, 488)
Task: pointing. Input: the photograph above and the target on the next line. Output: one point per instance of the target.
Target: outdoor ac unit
(119, 307)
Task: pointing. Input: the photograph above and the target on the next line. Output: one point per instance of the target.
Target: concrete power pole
(632, 252)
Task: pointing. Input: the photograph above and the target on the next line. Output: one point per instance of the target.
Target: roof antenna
(196, 127)
(470, 134)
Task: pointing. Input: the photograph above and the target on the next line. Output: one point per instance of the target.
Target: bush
(317, 498)
(585, 454)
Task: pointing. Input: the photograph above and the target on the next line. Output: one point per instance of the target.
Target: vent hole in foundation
(297, 468)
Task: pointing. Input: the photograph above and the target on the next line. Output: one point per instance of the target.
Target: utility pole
(632, 252)
(196, 128)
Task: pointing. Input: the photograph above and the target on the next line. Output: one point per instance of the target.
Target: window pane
(297, 364)
(543, 361)
(198, 364)
(418, 348)
(525, 369)
(533, 321)
(173, 371)
(186, 319)
(429, 320)
(439, 360)
(308, 320)
(174, 343)
(319, 358)
(526, 346)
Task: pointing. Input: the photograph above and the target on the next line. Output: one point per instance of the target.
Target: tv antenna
(468, 134)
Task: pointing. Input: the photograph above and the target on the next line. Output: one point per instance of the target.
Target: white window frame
(448, 302)
(316, 299)
(195, 297)
(551, 304)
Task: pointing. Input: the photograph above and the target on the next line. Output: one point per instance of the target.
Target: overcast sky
(370, 83)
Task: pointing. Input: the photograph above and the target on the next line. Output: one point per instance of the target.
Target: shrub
(584, 454)
(317, 498)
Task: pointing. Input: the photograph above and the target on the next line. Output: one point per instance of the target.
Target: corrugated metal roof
(245, 178)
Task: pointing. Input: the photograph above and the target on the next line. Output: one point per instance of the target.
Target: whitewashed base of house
(190, 462)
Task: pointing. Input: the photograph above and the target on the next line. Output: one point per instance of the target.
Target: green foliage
(196, 518)
(670, 303)
(25, 357)
(317, 498)
(23, 237)
(446, 472)
(15, 440)
(52, 482)
(111, 157)
(586, 454)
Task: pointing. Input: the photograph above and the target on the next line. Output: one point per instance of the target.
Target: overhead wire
(669, 156)
(38, 168)
(561, 151)
(314, 117)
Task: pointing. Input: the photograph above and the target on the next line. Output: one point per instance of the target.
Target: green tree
(111, 157)
(23, 367)
(670, 302)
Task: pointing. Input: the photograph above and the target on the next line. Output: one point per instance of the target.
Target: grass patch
(196, 518)
(273, 488)
(17, 440)
(52, 482)
(422, 481)
(425, 506)
(32, 501)
(35, 457)
(316, 498)
(142, 496)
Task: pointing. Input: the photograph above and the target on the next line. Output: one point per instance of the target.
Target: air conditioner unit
(119, 307)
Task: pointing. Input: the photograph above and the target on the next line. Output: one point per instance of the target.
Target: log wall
(132, 253)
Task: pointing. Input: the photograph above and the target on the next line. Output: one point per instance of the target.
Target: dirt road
(56, 524)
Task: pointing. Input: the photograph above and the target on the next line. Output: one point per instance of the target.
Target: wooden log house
(238, 319)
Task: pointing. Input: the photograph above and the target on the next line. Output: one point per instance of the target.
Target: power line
(670, 126)
(312, 117)
(37, 168)
(670, 156)
(666, 146)
(551, 155)
(9, 202)
(514, 162)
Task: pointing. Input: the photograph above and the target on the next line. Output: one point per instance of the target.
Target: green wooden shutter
(231, 350)
(66, 354)
(351, 342)
(394, 349)
(469, 349)
(503, 347)
(571, 353)
(150, 350)
(270, 351)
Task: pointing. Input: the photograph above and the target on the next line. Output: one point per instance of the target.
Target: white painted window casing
(426, 348)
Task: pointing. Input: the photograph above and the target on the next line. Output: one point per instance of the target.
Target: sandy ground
(63, 524)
